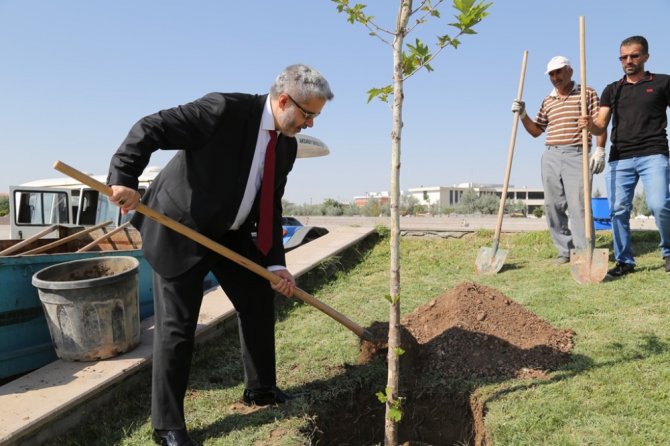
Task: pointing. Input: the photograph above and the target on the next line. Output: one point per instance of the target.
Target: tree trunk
(391, 427)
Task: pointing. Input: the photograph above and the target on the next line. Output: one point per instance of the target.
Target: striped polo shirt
(558, 116)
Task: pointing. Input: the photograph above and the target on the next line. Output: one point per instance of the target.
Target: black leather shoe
(621, 269)
(266, 397)
(172, 438)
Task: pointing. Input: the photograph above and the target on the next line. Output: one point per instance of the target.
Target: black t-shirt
(639, 118)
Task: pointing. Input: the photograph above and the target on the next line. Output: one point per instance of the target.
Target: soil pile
(476, 331)
(472, 331)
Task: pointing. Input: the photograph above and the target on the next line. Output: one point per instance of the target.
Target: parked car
(297, 234)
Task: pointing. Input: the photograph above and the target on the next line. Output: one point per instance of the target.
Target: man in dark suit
(214, 185)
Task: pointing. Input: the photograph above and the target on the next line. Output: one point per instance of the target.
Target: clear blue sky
(75, 75)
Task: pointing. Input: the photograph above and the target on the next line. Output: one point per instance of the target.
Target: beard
(633, 69)
(289, 125)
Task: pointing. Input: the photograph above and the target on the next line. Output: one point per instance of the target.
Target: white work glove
(519, 107)
(597, 163)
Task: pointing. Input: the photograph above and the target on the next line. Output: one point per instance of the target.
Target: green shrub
(4, 205)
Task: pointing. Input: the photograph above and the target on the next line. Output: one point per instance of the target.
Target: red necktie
(267, 202)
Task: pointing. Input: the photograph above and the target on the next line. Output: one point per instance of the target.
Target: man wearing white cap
(562, 160)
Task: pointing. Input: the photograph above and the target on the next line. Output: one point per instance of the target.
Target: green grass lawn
(616, 390)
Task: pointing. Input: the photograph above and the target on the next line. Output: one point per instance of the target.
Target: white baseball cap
(556, 63)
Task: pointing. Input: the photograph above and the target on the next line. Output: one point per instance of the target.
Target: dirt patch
(470, 333)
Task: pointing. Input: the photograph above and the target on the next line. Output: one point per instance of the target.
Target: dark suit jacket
(203, 185)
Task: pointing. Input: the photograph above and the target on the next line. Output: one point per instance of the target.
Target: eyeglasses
(632, 56)
(305, 114)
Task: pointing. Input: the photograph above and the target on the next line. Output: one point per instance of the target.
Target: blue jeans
(622, 176)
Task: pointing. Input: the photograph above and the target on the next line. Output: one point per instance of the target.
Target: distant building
(449, 196)
(381, 197)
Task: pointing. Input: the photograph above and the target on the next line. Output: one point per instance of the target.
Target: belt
(578, 148)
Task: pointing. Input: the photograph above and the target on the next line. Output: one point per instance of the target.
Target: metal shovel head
(490, 260)
(588, 266)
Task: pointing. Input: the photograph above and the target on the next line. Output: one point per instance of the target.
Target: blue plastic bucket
(601, 213)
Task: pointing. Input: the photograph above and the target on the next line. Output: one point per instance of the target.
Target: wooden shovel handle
(104, 237)
(585, 136)
(67, 239)
(27, 241)
(216, 247)
(510, 153)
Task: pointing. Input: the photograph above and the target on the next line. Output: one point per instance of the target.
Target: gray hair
(303, 82)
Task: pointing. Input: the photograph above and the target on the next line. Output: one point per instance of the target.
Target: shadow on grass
(439, 407)
(342, 409)
(649, 346)
(644, 242)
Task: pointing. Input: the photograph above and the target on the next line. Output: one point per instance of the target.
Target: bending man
(219, 183)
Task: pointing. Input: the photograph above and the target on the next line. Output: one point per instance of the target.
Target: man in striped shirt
(562, 177)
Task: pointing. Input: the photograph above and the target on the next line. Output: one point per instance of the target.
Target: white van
(37, 205)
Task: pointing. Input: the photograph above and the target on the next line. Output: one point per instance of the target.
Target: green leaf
(395, 406)
(381, 93)
(354, 13)
(395, 414)
(443, 41)
(419, 48)
(419, 55)
(399, 351)
(408, 63)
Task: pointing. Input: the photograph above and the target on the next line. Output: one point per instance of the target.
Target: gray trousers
(564, 197)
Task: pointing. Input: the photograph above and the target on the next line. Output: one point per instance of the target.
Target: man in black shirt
(637, 106)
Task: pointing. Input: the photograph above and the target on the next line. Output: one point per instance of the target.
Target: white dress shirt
(256, 172)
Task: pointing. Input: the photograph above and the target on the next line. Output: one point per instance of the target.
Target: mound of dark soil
(476, 331)
(472, 331)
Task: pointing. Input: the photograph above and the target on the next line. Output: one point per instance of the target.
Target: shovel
(28, 241)
(67, 239)
(588, 265)
(490, 260)
(104, 237)
(220, 249)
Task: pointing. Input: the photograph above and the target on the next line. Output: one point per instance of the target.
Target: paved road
(455, 223)
(451, 223)
(460, 223)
